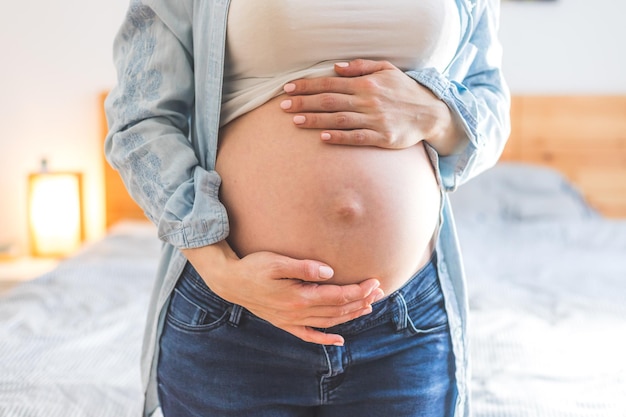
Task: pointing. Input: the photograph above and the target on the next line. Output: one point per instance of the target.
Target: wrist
(447, 136)
(212, 262)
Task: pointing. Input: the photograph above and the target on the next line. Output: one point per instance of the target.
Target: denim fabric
(164, 115)
(217, 359)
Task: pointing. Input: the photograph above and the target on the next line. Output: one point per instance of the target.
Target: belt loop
(401, 316)
(235, 315)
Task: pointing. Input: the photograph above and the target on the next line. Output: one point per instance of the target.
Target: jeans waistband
(392, 308)
(395, 306)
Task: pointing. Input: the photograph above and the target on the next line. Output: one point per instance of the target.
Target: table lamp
(55, 212)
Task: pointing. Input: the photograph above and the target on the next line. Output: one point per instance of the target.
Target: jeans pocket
(193, 309)
(428, 313)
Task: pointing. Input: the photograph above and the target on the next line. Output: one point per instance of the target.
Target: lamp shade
(55, 213)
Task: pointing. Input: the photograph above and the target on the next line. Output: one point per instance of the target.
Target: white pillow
(520, 192)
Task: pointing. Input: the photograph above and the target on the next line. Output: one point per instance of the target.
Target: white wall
(565, 46)
(56, 59)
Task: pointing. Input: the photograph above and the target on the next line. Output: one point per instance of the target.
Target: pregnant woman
(295, 157)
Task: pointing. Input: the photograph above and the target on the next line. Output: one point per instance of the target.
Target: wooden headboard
(583, 137)
(118, 203)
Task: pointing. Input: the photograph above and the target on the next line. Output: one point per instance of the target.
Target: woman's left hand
(371, 103)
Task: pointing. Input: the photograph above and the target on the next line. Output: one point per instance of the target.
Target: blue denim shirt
(164, 117)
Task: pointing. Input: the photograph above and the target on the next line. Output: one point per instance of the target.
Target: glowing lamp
(55, 213)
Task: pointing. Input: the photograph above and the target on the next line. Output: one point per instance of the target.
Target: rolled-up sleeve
(476, 92)
(149, 113)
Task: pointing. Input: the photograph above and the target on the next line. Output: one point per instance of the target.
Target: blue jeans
(217, 359)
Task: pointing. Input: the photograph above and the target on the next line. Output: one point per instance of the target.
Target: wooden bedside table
(23, 268)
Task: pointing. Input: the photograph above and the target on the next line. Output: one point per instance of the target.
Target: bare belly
(367, 212)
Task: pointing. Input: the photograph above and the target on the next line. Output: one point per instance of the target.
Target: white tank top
(270, 42)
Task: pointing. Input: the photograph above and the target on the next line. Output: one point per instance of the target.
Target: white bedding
(70, 340)
(547, 288)
(546, 278)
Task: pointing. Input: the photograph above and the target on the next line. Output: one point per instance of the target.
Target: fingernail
(338, 344)
(299, 120)
(325, 136)
(379, 295)
(366, 310)
(285, 104)
(289, 88)
(342, 64)
(326, 271)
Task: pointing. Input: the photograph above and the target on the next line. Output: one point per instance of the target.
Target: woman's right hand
(289, 293)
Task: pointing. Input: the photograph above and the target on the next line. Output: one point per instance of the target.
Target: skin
(369, 103)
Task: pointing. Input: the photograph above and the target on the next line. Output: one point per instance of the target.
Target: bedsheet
(548, 318)
(70, 340)
(547, 291)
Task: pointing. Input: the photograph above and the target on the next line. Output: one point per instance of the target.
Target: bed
(70, 340)
(546, 272)
(547, 290)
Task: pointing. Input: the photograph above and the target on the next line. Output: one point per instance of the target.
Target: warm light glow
(55, 213)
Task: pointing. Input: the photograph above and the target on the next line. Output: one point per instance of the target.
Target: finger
(356, 137)
(311, 335)
(332, 121)
(324, 102)
(324, 316)
(338, 310)
(338, 295)
(305, 314)
(358, 67)
(306, 270)
(307, 86)
(324, 322)
(328, 322)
